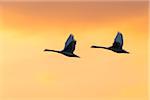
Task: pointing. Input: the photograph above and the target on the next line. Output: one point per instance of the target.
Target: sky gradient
(27, 28)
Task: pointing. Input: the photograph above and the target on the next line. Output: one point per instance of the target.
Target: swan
(68, 49)
(117, 45)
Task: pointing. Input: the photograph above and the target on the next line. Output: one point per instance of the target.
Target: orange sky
(29, 27)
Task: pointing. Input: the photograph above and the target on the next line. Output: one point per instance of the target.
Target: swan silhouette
(69, 47)
(117, 45)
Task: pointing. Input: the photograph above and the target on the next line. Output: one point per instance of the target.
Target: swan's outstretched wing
(118, 42)
(71, 47)
(69, 40)
(70, 44)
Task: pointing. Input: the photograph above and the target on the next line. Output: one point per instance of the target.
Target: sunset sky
(28, 73)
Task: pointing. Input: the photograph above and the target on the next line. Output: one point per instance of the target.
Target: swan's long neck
(99, 47)
(52, 50)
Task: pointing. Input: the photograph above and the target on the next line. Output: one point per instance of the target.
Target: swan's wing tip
(119, 33)
(69, 40)
(71, 35)
(119, 37)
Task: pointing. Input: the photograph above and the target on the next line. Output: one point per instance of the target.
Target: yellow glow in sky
(27, 28)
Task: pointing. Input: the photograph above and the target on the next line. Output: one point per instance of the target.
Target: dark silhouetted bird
(69, 47)
(117, 45)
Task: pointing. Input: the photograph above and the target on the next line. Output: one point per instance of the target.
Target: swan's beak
(45, 50)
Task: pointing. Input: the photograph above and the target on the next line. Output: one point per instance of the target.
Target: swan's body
(69, 47)
(117, 45)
